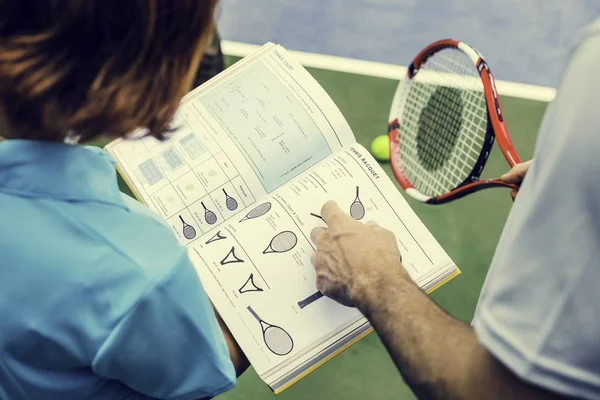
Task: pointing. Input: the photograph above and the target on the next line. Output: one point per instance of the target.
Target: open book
(257, 151)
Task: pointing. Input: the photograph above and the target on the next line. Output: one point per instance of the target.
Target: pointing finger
(317, 235)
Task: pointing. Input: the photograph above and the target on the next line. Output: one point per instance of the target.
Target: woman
(97, 298)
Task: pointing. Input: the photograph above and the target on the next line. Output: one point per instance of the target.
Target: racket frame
(496, 130)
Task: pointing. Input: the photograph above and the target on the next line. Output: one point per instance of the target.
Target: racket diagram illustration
(230, 202)
(310, 299)
(282, 243)
(276, 338)
(250, 286)
(357, 209)
(209, 216)
(217, 236)
(318, 216)
(231, 258)
(257, 211)
(189, 232)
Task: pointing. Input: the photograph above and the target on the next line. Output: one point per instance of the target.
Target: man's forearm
(438, 356)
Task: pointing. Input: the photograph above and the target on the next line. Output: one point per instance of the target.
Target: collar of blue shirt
(58, 171)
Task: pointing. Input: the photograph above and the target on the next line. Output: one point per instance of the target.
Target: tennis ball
(380, 148)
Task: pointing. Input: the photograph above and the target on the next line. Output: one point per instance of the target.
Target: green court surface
(468, 229)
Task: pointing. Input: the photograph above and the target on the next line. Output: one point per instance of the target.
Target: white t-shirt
(539, 311)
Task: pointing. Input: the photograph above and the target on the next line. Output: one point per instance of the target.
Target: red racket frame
(496, 130)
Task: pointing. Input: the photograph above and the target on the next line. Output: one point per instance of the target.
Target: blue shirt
(97, 298)
(539, 311)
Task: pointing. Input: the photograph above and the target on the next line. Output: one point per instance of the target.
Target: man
(536, 331)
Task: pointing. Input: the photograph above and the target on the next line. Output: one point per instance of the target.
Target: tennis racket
(445, 117)
(276, 338)
(189, 232)
(209, 216)
(230, 202)
(357, 209)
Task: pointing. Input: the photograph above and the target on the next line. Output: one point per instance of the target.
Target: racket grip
(253, 313)
(310, 299)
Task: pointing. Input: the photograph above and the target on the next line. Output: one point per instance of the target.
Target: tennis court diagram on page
(275, 133)
(188, 179)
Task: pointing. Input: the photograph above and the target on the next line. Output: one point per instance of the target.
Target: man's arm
(438, 356)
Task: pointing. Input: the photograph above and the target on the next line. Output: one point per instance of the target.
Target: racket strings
(435, 178)
(416, 171)
(443, 119)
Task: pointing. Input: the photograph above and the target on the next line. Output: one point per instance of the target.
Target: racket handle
(314, 297)
(254, 313)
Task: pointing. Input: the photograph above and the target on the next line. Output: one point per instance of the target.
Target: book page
(257, 269)
(238, 138)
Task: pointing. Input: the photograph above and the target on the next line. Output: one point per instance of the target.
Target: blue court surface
(524, 41)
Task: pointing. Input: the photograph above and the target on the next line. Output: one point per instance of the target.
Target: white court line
(382, 70)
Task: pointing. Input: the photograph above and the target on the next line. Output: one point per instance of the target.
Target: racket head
(444, 120)
(258, 211)
(283, 242)
(231, 204)
(189, 232)
(277, 339)
(210, 217)
(357, 210)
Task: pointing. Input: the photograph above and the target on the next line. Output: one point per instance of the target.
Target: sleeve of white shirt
(539, 312)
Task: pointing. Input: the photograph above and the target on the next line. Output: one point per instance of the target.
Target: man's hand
(516, 175)
(354, 260)
(438, 356)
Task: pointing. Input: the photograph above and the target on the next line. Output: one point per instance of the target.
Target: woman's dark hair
(97, 67)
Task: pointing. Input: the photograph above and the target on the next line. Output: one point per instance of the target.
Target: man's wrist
(382, 287)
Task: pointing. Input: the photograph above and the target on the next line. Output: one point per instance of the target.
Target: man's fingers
(317, 235)
(517, 173)
(331, 212)
(319, 260)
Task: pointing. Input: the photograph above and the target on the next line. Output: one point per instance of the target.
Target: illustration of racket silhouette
(282, 242)
(230, 202)
(318, 216)
(276, 338)
(357, 210)
(209, 216)
(189, 232)
(258, 211)
(216, 238)
(310, 299)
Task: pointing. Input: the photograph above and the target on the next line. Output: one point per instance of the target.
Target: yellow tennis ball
(380, 148)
